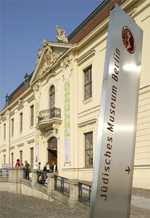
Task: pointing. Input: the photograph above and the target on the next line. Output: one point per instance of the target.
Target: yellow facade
(68, 62)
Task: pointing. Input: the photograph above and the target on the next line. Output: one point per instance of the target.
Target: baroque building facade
(53, 115)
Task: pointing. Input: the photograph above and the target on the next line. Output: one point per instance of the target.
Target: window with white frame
(89, 149)
(4, 130)
(12, 159)
(52, 97)
(32, 115)
(88, 83)
(12, 127)
(21, 121)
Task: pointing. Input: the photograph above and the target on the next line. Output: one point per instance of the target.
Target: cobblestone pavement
(17, 205)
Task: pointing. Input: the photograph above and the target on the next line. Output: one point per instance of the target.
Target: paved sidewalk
(140, 202)
(17, 205)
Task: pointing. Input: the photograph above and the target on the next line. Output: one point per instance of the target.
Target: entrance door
(52, 157)
(52, 151)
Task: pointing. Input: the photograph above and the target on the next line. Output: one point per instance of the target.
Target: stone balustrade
(17, 184)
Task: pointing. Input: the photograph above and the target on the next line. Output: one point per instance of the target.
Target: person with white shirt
(54, 167)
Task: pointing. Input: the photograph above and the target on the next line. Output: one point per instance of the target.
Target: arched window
(52, 143)
(52, 97)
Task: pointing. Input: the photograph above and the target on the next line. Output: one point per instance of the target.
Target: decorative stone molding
(66, 62)
(71, 73)
(61, 36)
(56, 55)
(52, 74)
(3, 150)
(31, 98)
(87, 101)
(11, 147)
(132, 13)
(20, 145)
(12, 113)
(2, 118)
(30, 141)
(20, 104)
(7, 113)
(87, 122)
(44, 43)
(36, 87)
(20, 101)
(86, 56)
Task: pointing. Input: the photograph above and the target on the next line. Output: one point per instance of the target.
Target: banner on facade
(113, 168)
(66, 121)
(36, 132)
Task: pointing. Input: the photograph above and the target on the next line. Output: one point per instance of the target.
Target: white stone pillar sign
(113, 168)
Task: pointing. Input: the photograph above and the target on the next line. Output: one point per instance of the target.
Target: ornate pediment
(47, 57)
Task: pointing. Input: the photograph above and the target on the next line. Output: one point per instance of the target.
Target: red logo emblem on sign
(128, 39)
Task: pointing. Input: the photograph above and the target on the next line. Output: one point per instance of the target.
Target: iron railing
(84, 193)
(61, 185)
(42, 177)
(4, 173)
(49, 114)
(26, 173)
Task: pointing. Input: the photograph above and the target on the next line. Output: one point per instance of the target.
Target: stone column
(34, 176)
(73, 191)
(15, 177)
(50, 186)
(20, 173)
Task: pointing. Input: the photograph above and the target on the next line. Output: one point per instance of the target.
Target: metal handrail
(49, 114)
(61, 185)
(84, 191)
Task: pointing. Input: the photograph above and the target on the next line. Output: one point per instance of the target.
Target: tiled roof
(19, 92)
(100, 13)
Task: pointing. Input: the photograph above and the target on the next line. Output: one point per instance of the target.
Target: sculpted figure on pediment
(48, 57)
(61, 36)
(44, 43)
(38, 55)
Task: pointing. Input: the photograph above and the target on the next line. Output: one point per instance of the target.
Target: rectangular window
(88, 83)
(21, 158)
(4, 159)
(32, 157)
(12, 127)
(32, 115)
(89, 149)
(21, 122)
(4, 130)
(12, 159)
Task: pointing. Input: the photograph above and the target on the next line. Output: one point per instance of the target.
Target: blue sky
(23, 27)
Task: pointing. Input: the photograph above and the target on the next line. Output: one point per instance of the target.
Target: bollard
(73, 190)
(34, 177)
(50, 185)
